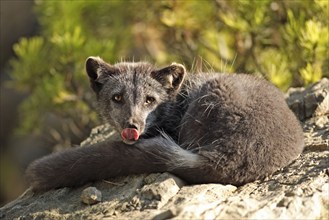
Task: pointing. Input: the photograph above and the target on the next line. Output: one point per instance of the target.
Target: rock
(91, 195)
(298, 191)
(100, 133)
(312, 101)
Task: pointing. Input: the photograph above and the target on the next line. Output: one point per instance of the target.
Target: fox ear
(98, 71)
(95, 67)
(171, 77)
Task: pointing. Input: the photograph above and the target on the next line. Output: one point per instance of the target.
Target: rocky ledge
(299, 191)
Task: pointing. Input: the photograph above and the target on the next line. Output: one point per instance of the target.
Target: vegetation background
(285, 41)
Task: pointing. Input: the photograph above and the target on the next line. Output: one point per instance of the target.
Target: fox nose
(132, 126)
(135, 123)
(132, 123)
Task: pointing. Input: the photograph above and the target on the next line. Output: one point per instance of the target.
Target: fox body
(204, 128)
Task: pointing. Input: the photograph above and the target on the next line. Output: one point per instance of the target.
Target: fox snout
(130, 135)
(131, 132)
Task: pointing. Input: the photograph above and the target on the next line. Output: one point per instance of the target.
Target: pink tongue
(130, 134)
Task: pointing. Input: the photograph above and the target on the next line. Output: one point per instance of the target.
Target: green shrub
(284, 41)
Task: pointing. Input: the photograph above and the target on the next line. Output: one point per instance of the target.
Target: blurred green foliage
(284, 41)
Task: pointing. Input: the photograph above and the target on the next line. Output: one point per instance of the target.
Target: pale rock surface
(298, 191)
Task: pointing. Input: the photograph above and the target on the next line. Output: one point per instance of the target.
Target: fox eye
(149, 100)
(117, 98)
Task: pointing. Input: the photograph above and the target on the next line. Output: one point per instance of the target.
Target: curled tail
(104, 160)
(191, 167)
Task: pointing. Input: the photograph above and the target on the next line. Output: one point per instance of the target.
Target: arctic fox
(204, 128)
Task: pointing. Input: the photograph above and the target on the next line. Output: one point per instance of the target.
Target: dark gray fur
(207, 128)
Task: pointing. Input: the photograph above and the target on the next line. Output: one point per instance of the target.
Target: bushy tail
(104, 160)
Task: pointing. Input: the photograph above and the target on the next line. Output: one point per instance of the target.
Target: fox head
(129, 93)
